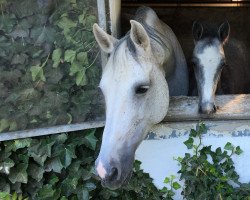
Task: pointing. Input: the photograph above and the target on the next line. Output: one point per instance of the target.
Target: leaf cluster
(49, 66)
(210, 174)
(169, 191)
(62, 167)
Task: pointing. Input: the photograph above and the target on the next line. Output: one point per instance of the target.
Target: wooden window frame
(182, 109)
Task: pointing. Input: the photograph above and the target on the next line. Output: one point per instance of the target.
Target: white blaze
(209, 59)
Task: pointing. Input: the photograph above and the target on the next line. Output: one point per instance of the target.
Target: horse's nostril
(215, 108)
(207, 108)
(113, 174)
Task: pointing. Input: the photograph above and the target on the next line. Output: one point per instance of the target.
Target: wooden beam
(49, 130)
(162, 5)
(230, 107)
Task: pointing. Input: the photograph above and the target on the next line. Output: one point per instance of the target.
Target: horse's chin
(119, 183)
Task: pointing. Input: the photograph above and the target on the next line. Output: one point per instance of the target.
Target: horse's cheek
(160, 101)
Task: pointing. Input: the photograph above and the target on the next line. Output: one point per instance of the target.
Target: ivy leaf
(56, 57)
(176, 185)
(66, 24)
(90, 20)
(5, 187)
(54, 164)
(35, 171)
(14, 196)
(229, 147)
(69, 154)
(37, 73)
(82, 17)
(46, 35)
(86, 175)
(19, 174)
(53, 179)
(6, 165)
(69, 184)
(83, 194)
(69, 56)
(19, 144)
(13, 126)
(91, 139)
(19, 59)
(193, 133)
(166, 180)
(5, 196)
(40, 150)
(74, 68)
(46, 192)
(82, 57)
(189, 143)
(137, 165)
(238, 150)
(81, 78)
(202, 128)
(4, 124)
(90, 186)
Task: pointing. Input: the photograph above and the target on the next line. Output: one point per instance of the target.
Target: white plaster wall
(166, 142)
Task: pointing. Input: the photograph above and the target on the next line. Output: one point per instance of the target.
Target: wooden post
(102, 21)
(109, 20)
(115, 17)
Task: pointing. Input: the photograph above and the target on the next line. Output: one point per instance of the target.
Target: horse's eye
(223, 65)
(142, 89)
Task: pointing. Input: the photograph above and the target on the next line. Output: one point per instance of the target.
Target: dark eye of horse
(142, 89)
(223, 65)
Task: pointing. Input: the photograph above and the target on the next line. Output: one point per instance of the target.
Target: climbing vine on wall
(210, 174)
(49, 66)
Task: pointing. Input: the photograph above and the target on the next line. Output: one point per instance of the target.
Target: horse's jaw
(115, 161)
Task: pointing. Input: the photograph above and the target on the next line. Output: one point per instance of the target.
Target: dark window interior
(180, 18)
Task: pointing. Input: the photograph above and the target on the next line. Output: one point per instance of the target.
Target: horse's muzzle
(112, 175)
(207, 108)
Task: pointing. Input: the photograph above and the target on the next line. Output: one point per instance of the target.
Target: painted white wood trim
(49, 130)
(115, 17)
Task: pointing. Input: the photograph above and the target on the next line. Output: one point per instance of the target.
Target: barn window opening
(43, 84)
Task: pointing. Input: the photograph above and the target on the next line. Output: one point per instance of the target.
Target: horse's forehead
(206, 51)
(124, 70)
(208, 46)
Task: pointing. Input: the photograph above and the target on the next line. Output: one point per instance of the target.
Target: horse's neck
(169, 63)
(175, 66)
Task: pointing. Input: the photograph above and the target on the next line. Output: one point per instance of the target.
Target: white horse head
(135, 90)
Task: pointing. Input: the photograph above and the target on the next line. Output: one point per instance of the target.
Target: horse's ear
(197, 30)
(139, 35)
(105, 41)
(224, 31)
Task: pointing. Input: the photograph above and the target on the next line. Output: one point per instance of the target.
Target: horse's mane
(153, 34)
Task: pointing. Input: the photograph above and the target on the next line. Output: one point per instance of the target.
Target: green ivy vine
(49, 68)
(210, 174)
(62, 167)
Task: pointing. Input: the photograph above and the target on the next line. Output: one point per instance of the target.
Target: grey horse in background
(220, 64)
